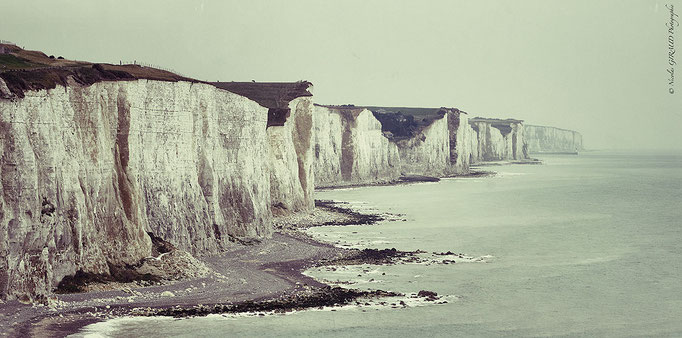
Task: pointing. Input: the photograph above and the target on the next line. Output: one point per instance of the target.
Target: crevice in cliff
(348, 122)
(303, 138)
(453, 127)
(122, 154)
(514, 139)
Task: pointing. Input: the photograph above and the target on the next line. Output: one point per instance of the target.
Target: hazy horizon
(597, 67)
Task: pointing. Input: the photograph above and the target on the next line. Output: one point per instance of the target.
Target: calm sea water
(587, 245)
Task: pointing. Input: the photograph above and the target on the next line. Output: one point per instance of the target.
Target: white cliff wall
(519, 143)
(550, 139)
(493, 144)
(86, 171)
(350, 149)
(428, 153)
(291, 160)
(465, 145)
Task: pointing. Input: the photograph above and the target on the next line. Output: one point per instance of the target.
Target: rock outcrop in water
(543, 139)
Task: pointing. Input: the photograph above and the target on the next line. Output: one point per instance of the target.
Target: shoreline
(277, 263)
(274, 265)
(412, 179)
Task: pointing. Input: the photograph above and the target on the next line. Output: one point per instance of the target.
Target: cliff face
(350, 148)
(86, 171)
(498, 140)
(353, 147)
(290, 139)
(463, 143)
(430, 152)
(291, 159)
(553, 140)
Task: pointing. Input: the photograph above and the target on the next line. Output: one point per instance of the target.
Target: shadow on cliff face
(398, 126)
(121, 274)
(167, 263)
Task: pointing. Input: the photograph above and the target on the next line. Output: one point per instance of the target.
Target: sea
(586, 245)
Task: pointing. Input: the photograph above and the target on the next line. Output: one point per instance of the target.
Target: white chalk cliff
(350, 148)
(498, 140)
(87, 171)
(542, 139)
(291, 160)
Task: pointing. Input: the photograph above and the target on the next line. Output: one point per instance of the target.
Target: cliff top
(414, 111)
(24, 70)
(562, 129)
(399, 123)
(492, 120)
(503, 125)
(268, 94)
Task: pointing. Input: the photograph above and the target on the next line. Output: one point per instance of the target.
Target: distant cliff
(430, 148)
(370, 145)
(499, 139)
(350, 148)
(542, 139)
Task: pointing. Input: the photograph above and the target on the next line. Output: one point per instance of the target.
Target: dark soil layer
(24, 70)
(399, 123)
(274, 96)
(268, 94)
(21, 81)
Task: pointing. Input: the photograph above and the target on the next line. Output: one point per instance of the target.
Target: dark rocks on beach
(429, 295)
(355, 218)
(426, 293)
(317, 298)
(374, 256)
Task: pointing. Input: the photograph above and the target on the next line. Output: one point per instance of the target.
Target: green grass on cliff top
(9, 61)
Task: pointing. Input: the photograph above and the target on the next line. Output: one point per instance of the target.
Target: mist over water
(582, 245)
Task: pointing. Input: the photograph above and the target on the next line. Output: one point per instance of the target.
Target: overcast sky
(598, 67)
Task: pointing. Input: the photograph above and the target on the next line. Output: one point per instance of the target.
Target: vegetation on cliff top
(24, 70)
